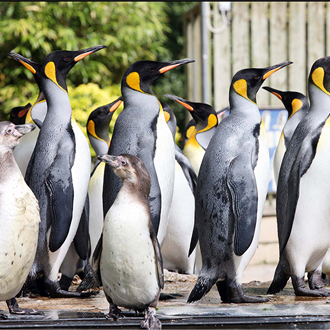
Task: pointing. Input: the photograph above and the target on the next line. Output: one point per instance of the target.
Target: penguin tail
(201, 288)
(280, 279)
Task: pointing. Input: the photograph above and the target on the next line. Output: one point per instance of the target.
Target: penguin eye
(123, 162)
(151, 70)
(9, 130)
(257, 78)
(66, 59)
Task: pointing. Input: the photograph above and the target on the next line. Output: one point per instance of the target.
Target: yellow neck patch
(133, 81)
(91, 129)
(240, 87)
(317, 77)
(167, 116)
(296, 105)
(50, 73)
(211, 122)
(190, 131)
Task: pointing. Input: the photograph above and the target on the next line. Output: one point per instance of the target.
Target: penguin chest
(19, 225)
(278, 157)
(194, 152)
(164, 161)
(128, 265)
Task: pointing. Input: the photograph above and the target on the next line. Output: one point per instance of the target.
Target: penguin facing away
(58, 172)
(302, 201)
(131, 263)
(175, 248)
(18, 114)
(141, 130)
(19, 211)
(206, 121)
(297, 106)
(231, 191)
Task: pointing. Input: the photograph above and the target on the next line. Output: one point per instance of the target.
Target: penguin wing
(96, 257)
(158, 256)
(204, 138)
(300, 165)
(82, 241)
(60, 199)
(244, 198)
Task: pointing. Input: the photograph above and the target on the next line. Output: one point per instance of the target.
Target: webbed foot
(301, 290)
(114, 313)
(150, 320)
(15, 309)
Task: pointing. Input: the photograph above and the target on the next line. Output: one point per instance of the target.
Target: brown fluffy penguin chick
(19, 220)
(131, 264)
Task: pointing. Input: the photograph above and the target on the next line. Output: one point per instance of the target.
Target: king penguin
(206, 121)
(20, 219)
(131, 267)
(231, 191)
(18, 114)
(175, 248)
(297, 106)
(141, 130)
(59, 170)
(303, 192)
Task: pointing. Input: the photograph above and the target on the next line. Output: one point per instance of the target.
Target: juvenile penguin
(231, 191)
(175, 249)
(141, 130)
(206, 121)
(19, 211)
(131, 264)
(18, 114)
(297, 106)
(303, 192)
(59, 170)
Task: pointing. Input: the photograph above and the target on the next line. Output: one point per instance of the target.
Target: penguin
(141, 130)
(20, 219)
(297, 106)
(59, 170)
(131, 267)
(231, 191)
(303, 193)
(98, 134)
(18, 114)
(206, 121)
(180, 226)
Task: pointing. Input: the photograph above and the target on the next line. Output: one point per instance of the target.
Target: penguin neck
(137, 187)
(58, 103)
(241, 106)
(319, 101)
(7, 162)
(135, 98)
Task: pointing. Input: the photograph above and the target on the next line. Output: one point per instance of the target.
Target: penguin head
(129, 168)
(99, 120)
(141, 75)
(203, 114)
(58, 63)
(247, 82)
(293, 101)
(18, 114)
(320, 74)
(10, 133)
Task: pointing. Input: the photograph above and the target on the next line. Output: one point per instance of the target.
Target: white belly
(128, 268)
(278, 157)
(80, 178)
(164, 162)
(19, 227)
(262, 173)
(180, 226)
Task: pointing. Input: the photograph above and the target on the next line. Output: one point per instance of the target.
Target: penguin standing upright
(297, 106)
(206, 121)
(141, 130)
(131, 263)
(59, 170)
(20, 219)
(175, 248)
(231, 191)
(303, 193)
(18, 114)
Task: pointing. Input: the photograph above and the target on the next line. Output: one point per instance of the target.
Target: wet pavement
(283, 311)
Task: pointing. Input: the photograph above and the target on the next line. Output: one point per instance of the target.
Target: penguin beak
(23, 112)
(26, 128)
(30, 65)
(180, 100)
(116, 104)
(270, 70)
(273, 91)
(85, 52)
(173, 64)
(110, 160)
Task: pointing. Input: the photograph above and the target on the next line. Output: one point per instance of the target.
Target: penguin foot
(15, 309)
(115, 313)
(235, 294)
(301, 290)
(150, 320)
(89, 281)
(3, 316)
(65, 282)
(315, 280)
(55, 291)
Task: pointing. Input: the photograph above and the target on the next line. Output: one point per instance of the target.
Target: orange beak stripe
(168, 68)
(269, 73)
(81, 56)
(277, 95)
(29, 67)
(187, 106)
(22, 113)
(115, 106)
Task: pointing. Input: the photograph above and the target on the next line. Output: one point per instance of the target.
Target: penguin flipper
(244, 198)
(96, 257)
(60, 193)
(301, 164)
(158, 256)
(82, 241)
